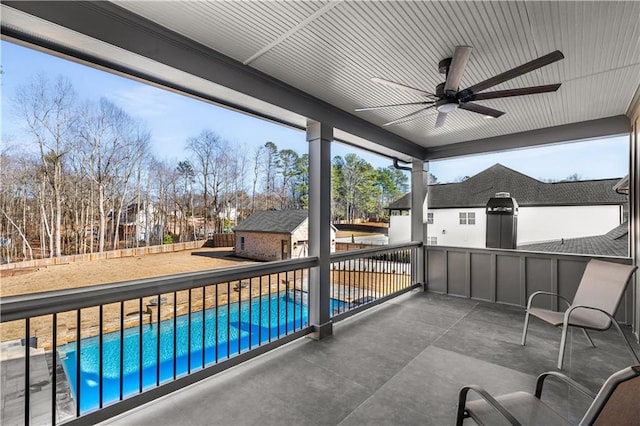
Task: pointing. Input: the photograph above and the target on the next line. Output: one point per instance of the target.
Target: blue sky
(173, 118)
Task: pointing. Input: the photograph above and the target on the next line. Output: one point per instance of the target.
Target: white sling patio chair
(596, 301)
(615, 404)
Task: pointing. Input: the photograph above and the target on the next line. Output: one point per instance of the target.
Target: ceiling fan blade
(408, 116)
(512, 92)
(442, 116)
(393, 105)
(517, 71)
(403, 87)
(481, 109)
(456, 69)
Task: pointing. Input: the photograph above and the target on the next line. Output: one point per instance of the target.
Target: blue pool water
(257, 320)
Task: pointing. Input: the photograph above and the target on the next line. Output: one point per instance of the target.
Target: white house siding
(553, 223)
(399, 229)
(534, 224)
(448, 231)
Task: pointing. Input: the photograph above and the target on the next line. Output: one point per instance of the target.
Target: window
(241, 243)
(430, 218)
(467, 218)
(432, 241)
(463, 218)
(471, 218)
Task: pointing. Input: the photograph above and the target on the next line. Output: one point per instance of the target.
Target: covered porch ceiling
(290, 61)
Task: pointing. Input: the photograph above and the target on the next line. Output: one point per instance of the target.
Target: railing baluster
(78, 370)
(286, 303)
(260, 311)
(228, 319)
(27, 369)
(100, 361)
(269, 306)
(294, 300)
(239, 316)
(204, 320)
(217, 325)
(121, 360)
(158, 341)
(54, 376)
(189, 335)
(250, 313)
(175, 334)
(140, 342)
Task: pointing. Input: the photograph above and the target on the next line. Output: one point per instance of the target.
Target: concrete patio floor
(402, 362)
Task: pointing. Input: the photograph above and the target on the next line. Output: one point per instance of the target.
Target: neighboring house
(134, 222)
(275, 235)
(547, 211)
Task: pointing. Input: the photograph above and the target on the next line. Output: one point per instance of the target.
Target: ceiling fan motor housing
(443, 66)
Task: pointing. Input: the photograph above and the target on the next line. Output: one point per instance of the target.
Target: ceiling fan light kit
(447, 97)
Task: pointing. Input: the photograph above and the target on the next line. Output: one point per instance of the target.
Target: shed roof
(478, 189)
(613, 243)
(273, 221)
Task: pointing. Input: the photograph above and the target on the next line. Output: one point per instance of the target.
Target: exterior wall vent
(503, 195)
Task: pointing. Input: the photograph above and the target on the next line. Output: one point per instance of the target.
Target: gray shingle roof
(278, 221)
(476, 191)
(613, 243)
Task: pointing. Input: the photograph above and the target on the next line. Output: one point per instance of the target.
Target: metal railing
(362, 278)
(104, 349)
(83, 355)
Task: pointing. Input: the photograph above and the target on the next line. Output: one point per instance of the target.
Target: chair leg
(633, 353)
(526, 326)
(584, 330)
(563, 343)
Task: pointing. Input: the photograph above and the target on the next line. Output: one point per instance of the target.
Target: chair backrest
(618, 402)
(602, 286)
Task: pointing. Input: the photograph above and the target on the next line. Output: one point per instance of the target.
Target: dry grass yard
(82, 274)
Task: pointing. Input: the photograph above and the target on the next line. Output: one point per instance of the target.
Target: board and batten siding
(510, 277)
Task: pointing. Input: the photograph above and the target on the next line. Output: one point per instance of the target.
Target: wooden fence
(112, 254)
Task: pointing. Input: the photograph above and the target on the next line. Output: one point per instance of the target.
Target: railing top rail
(355, 254)
(45, 303)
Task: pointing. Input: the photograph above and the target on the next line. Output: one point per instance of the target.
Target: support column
(634, 217)
(319, 136)
(419, 187)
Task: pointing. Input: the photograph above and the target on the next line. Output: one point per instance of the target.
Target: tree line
(86, 180)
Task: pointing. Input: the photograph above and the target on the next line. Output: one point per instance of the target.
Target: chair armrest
(462, 399)
(538, 293)
(562, 377)
(572, 308)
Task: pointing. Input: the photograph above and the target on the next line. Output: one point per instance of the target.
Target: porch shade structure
(594, 305)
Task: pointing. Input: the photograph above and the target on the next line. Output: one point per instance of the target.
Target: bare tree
(209, 154)
(49, 112)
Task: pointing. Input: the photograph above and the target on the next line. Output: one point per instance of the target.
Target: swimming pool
(238, 328)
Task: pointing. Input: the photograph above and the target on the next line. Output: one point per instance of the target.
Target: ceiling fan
(448, 97)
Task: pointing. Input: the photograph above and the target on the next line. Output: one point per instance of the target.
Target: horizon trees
(86, 180)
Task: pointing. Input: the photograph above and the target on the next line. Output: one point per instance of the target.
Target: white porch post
(419, 182)
(319, 136)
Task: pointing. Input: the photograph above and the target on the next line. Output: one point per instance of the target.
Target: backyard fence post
(319, 136)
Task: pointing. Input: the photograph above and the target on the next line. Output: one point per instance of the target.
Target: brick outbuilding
(275, 235)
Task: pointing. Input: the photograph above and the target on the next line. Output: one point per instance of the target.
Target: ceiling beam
(116, 26)
(604, 127)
